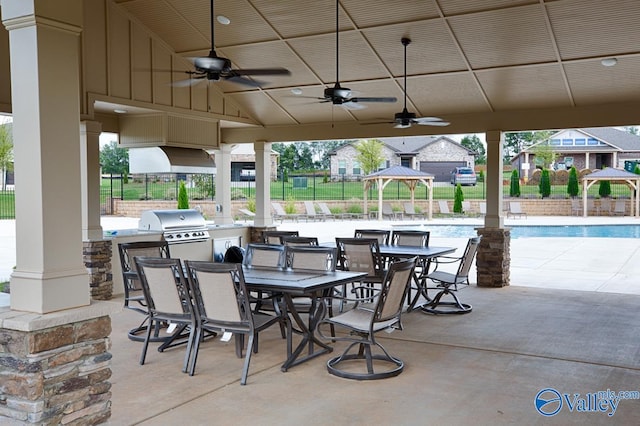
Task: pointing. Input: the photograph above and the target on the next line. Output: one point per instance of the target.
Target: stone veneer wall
(56, 375)
(493, 261)
(534, 207)
(96, 256)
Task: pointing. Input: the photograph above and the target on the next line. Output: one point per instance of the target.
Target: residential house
(437, 155)
(588, 148)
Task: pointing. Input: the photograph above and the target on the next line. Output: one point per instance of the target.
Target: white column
(494, 217)
(90, 171)
(44, 52)
(223, 185)
(263, 183)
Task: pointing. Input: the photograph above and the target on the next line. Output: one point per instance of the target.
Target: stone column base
(96, 255)
(493, 261)
(54, 368)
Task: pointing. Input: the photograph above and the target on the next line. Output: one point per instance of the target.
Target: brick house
(436, 155)
(588, 148)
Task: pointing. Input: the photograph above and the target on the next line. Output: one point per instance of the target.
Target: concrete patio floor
(568, 322)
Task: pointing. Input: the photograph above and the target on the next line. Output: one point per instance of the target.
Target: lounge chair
(311, 212)
(410, 211)
(324, 208)
(387, 211)
(620, 208)
(280, 214)
(247, 214)
(444, 207)
(576, 208)
(515, 210)
(483, 208)
(605, 206)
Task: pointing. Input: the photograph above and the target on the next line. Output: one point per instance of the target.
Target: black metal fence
(298, 187)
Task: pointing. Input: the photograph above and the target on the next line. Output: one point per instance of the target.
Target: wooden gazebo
(408, 176)
(632, 180)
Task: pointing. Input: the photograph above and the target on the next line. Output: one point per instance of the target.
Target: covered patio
(74, 69)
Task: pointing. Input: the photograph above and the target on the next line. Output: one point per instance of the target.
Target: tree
(6, 153)
(369, 154)
(637, 169)
(604, 188)
(545, 184)
(572, 186)
(514, 188)
(544, 155)
(516, 142)
(183, 198)
(114, 159)
(458, 198)
(474, 143)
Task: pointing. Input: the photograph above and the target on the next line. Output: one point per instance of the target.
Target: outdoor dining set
(317, 293)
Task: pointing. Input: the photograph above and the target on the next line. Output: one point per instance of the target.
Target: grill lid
(180, 225)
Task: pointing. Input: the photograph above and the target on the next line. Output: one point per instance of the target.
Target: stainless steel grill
(177, 226)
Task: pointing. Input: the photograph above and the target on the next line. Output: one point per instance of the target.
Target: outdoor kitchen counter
(221, 237)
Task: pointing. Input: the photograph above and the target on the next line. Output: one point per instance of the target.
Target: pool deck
(586, 264)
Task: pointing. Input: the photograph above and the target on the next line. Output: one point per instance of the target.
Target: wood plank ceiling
(468, 60)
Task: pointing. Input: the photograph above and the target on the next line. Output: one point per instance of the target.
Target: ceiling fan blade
(246, 81)
(352, 105)
(370, 99)
(262, 71)
(188, 82)
(431, 121)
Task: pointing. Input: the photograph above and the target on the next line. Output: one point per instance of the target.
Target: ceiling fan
(405, 118)
(214, 68)
(339, 95)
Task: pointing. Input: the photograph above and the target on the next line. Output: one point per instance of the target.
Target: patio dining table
(424, 255)
(292, 283)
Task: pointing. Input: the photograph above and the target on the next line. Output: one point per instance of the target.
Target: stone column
(96, 255)
(56, 370)
(493, 260)
(263, 184)
(44, 51)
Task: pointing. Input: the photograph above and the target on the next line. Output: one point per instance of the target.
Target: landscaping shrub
(604, 190)
(545, 184)
(572, 186)
(514, 188)
(458, 198)
(183, 198)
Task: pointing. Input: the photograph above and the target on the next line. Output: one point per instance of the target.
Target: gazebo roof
(399, 172)
(610, 173)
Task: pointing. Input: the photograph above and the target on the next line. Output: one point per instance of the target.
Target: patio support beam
(223, 184)
(90, 171)
(263, 184)
(45, 64)
(494, 217)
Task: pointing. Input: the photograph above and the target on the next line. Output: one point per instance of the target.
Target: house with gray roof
(588, 148)
(437, 155)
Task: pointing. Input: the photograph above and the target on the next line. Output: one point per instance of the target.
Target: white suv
(463, 176)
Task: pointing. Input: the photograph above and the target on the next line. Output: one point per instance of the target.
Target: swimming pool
(527, 231)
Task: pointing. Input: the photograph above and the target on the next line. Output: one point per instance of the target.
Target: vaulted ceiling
(484, 64)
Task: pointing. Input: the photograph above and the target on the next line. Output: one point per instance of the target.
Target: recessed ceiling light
(120, 111)
(609, 62)
(296, 91)
(223, 20)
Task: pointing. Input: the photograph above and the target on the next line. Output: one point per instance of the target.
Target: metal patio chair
(364, 322)
(448, 282)
(221, 304)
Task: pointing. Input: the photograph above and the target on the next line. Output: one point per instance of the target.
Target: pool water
(525, 231)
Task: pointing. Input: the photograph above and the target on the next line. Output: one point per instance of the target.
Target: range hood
(170, 159)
